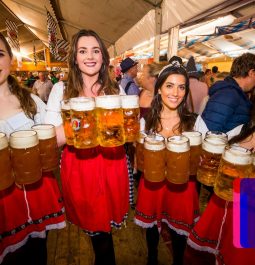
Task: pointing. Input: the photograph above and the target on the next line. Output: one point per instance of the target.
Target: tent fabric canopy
(121, 24)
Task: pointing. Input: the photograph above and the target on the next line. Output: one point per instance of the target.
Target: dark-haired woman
(26, 212)
(95, 180)
(176, 205)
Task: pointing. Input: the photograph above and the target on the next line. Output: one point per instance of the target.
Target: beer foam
(237, 155)
(154, 144)
(178, 144)
(65, 105)
(216, 134)
(3, 141)
(44, 131)
(24, 139)
(214, 145)
(108, 102)
(141, 138)
(82, 104)
(195, 138)
(129, 101)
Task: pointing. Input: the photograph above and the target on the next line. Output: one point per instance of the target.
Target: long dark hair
(75, 81)
(27, 103)
(187, 119)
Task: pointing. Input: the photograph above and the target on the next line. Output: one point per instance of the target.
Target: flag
(34, 54)
(12, 33)
(52, 33)
(62, 50)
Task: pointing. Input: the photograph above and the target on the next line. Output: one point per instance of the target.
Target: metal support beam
(158, 25)
(173, 38)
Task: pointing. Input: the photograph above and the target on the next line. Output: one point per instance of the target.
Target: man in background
(42, 87)
(129, 70)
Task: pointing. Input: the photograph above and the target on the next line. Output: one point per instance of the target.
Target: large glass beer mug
(110, 121)
(131, 115)
(25, 156)
(6, 177)
(154, 158)
(236, 162)
(139, 151)
(83, 115)
(212, 149)
(48, 146)
(195, 141)
(177, 159)
(67, 122)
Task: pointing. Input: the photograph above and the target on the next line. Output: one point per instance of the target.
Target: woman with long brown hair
(27, 212)
(94, 180)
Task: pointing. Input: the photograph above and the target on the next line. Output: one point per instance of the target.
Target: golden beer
(236, 162)
(25, 156)
(212, 149)
(48, 146)
(67, 122)
(110, 121)
(154, 158)
(6, 177)
(177, 159)
(131, 115)
(195, 140)
(253, 167)
(84, 122)
(139, 151)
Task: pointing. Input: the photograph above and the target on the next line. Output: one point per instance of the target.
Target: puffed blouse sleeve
(53, 109)
(39, 117)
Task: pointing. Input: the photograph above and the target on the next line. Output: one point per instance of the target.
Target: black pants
(34, 252)
(152, 240)
(103, 249)
(178, 246)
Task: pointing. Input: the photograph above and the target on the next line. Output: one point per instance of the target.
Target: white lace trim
(143, 224)
(178, 231)
(202, 248)
(41, 234)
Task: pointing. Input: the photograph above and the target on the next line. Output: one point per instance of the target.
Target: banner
(34, 54)
(62, 50)
(52, 33)
(12, 33)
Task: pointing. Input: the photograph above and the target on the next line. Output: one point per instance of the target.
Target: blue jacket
(228, 106)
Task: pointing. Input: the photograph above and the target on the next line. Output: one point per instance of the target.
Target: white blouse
(20, 121)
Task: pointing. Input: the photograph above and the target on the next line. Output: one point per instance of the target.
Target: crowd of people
(96, 182)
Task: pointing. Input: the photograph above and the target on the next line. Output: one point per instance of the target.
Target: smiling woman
(174, 204)
(26, 212)
(94, 180)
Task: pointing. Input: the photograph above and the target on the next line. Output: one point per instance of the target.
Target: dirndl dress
(214, 233)
(29, 211)
(95, 187)
(174, 204)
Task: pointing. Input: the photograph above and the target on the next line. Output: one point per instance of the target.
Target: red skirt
(214, 233)
(30, 212)
(95, 187)
(176, 205)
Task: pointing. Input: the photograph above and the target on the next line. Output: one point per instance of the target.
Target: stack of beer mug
(107, 121)
(165, 159)
(212, 149)
(236, 162)
(27, 155)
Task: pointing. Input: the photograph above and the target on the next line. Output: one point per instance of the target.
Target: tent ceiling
(123, 23)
